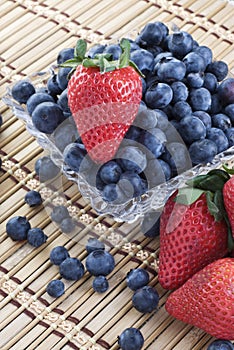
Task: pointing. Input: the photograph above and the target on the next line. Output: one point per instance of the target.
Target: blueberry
(110, 172)
(229, 111)
(131, 339)
(204, 117)
(158, 134)
(71, 269)
(170, 69)
(221, 121)
(65, 54)
(143, 59)
(36, 237)
(181, 109)
(192, 129)
(132, 185)
(100, 284)
(55, 288)
(52, 86)
(155, 50)
(59, 213)
(210, 82)
(153, 33)
(62, 77)
(216, 104)
(157, 172)
(58, 254)
(219, 138)
(200, 99)
(36, 99)
(195, 80)
(220, 344)
(94, 244)
(113, 193)
(65, 134)
(47, 116)
(132, 159)
(177, 156)
(63, 103)
(180, 91)
(162, 55)
(100, 262)
(46, 169)
(202, 151)
(205, 52)
(137, 278)
(230, 136)
(17, 228)
(226, 91)
(133, 134)
(33, 198)
(22, 90)
(162, 119)
(75, 155)
(114, 50)
(145, 299)
(150, 225)
(219, 69)
(95, 49)
(158, 95)
(67, 225)
(180, 43)
(194, 63)
(146, 118)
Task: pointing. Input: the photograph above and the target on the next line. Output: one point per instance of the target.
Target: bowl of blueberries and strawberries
(131, 121)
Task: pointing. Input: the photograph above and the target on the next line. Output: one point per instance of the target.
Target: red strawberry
(190, 236)
(104, 97)
(206, 300)
(228, 198)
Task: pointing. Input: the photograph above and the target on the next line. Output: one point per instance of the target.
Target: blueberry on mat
(94, 244)
(59, 213)
(220, 344)
(36, 237)
(137, 278)
(145, 299)
(58, 254)
(33, 198)
(46, 169)
(100, 262)
(17, 228)
(71, 269)
(100, 284)
(131, 339)
(55, 288)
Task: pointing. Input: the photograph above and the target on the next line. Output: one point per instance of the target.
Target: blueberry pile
(18, 228)
(186, 116)
(145, 298)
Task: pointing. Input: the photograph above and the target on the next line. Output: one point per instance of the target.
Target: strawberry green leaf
(72, 63)
(80, 49)
(105, 65)
(88, 62)
(195, 182)
(188, 195)
(212, 183)
(219, 172)
(213, 208)
(124, 58)
(228, 170)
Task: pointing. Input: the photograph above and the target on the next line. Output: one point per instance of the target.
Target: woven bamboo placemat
(32, 33)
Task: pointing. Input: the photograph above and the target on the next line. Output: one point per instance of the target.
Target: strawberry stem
(102, 61)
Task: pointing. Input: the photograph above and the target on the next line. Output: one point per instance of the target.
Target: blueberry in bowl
(129, 145)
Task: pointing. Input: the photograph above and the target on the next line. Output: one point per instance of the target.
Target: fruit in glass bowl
(130, 145)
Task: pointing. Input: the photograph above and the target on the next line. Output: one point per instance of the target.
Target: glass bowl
(130, 211)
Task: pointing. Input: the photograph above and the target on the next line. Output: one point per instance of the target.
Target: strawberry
(228, 197)
(193, 229)
(104, 97)
(206, 300)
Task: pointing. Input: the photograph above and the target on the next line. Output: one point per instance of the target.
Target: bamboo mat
(32, 33)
